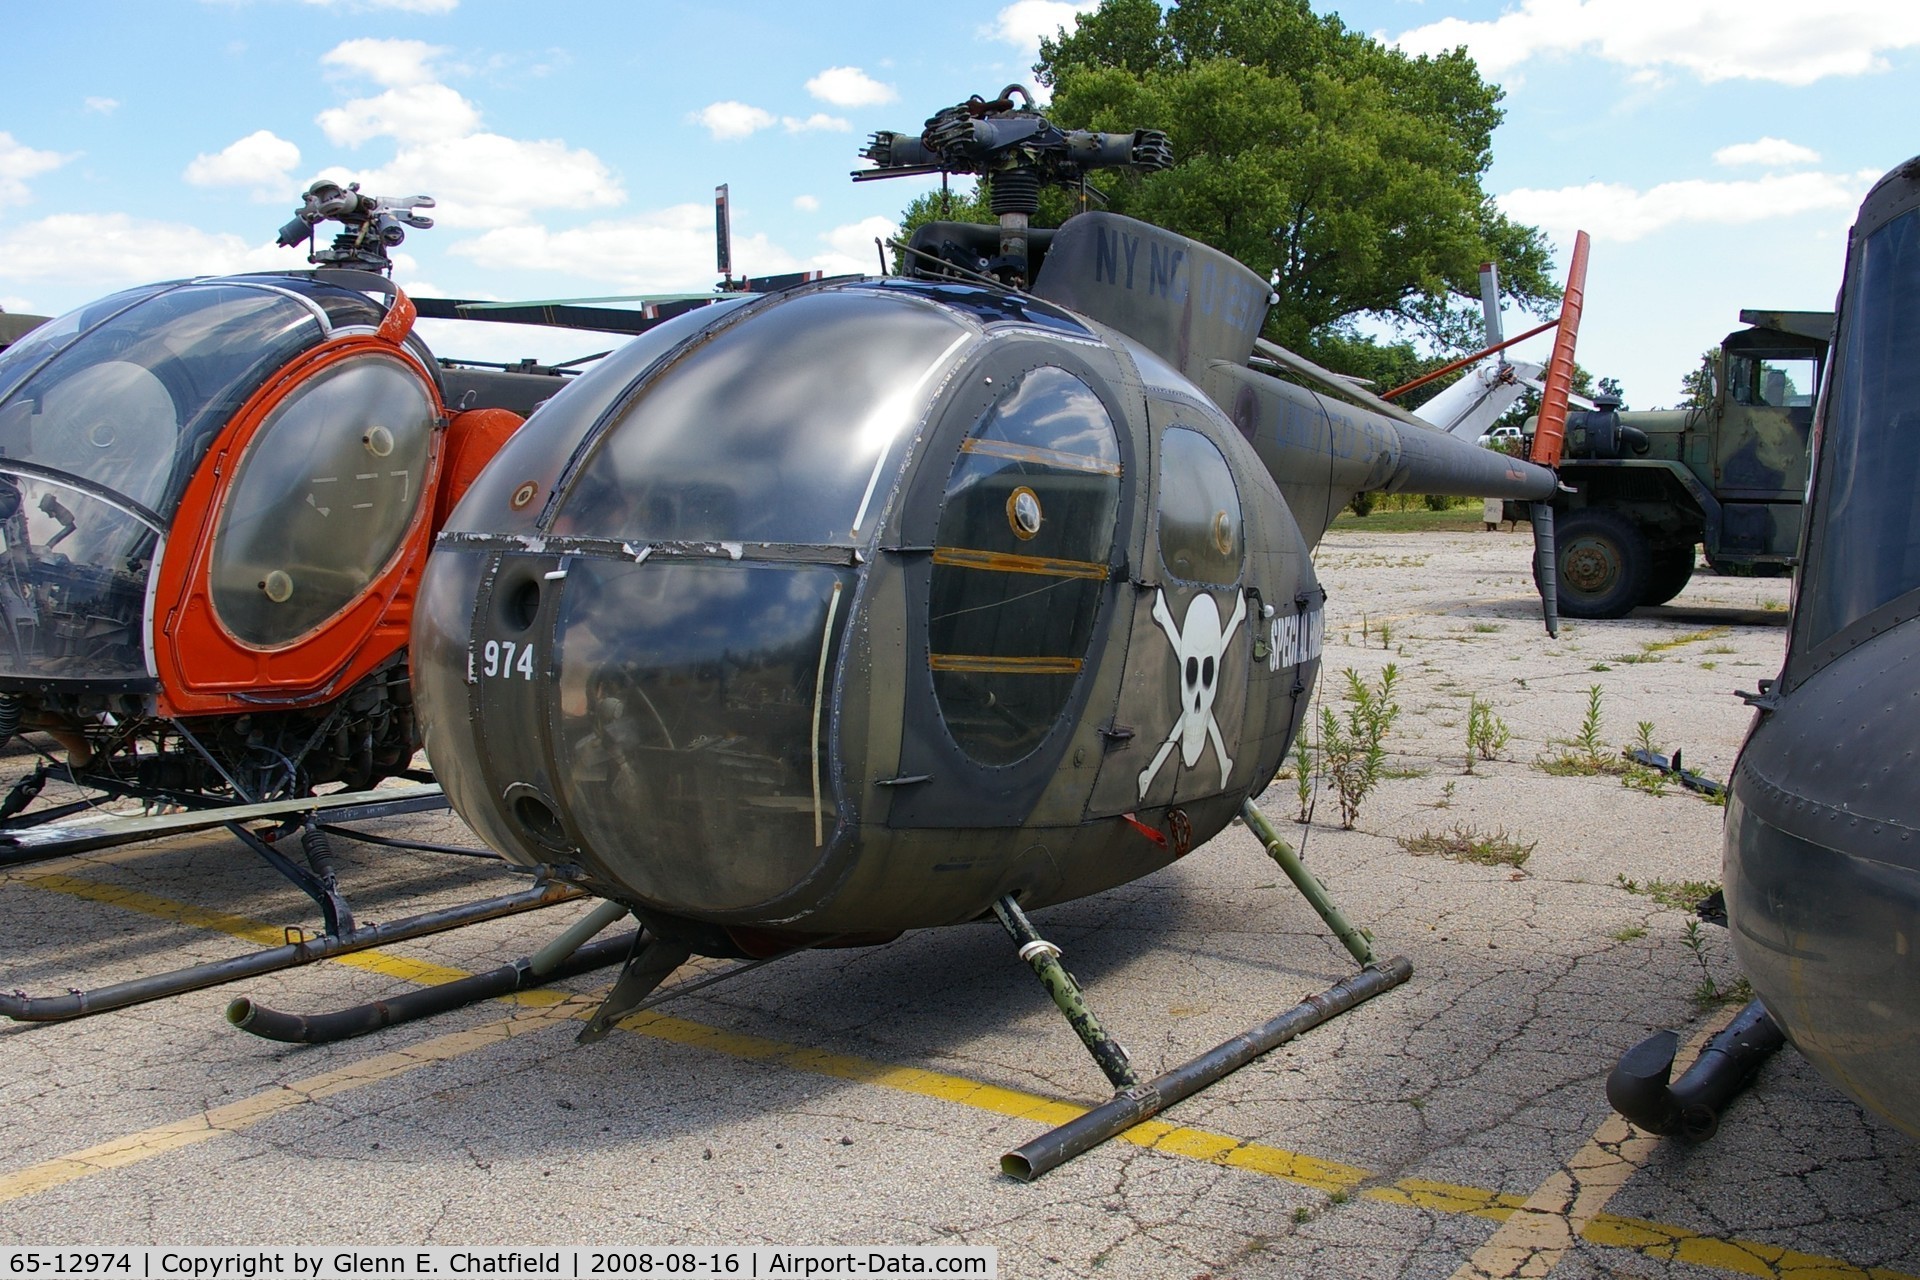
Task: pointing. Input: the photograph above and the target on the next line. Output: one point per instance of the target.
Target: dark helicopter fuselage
(1822, 852)
(852, 608)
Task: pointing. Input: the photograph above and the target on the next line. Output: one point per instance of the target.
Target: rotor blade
(1490, 302)
(480, 305)
(1345, 388)
(559, 315)
(1549, 436)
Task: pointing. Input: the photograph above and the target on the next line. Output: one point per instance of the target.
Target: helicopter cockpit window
(784, 430)
(26, 355)
(1864, 546)
(1202, 537)
(322, 499)
(1020, 562)
(131, 403)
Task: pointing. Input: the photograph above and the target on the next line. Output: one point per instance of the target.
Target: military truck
(1641, 492)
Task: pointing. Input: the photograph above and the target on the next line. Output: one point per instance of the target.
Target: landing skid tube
(36, 842)
(648, 961)
(120, 995)
(1134, 1102)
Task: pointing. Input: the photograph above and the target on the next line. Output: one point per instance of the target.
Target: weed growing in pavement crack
(1351, 747)
(1466, 843)
(1680, 895)
(1303, 773)
(1585, 759)
(1487, 733)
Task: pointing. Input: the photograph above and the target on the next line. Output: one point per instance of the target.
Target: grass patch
(1680, 895)
(1692, 637)
(1455, 520)
(1464, 843)
(1628, 934)
(1584, 757)
(1652, 649)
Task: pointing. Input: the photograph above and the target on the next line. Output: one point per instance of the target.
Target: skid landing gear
(303, 824)
(1134, 1102)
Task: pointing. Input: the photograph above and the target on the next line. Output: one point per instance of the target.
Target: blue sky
(1715, 149)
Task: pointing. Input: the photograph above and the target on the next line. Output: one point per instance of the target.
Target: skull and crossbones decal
(1199, 643)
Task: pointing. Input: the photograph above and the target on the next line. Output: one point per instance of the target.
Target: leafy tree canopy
(1306, 150)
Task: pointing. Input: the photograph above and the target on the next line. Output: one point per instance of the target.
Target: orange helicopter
(217, 496)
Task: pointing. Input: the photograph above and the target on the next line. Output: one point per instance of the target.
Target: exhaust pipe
(1690, 1108)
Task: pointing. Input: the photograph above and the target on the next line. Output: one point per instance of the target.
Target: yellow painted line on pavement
(1533, 1239)
(1651, 1239)
(1740, 1257)
(235, 1117)
(260, 934)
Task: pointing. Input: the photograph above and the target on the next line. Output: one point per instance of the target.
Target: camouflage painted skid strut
(1133, 1103)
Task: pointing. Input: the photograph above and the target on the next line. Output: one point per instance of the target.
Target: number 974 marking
(505, 658)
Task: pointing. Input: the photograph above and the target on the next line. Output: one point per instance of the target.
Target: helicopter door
(323, 496)
(1185, 693)
(1017, 589)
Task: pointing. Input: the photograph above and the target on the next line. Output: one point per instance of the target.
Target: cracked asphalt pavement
(1452, 1127)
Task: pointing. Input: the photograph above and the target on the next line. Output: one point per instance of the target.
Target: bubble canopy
(125, 394)
(785, 430)
(106, 415)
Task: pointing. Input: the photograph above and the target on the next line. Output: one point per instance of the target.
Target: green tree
(1696, 388)
(1349, 171)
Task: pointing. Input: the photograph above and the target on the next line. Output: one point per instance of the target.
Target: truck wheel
(1668, 574)
(1603, 562)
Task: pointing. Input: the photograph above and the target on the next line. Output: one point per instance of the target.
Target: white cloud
(851, 250)
(394, 63)
(104, 106)
(668, 250)
(261, 160)
(807, 204)
(486, 180)
(1614, 211)
(404, 6)
(103, 251)
(1785, 41)
(478, 178)
(19, 162)
(814, 123)
(1768, 151)
(1025, 23)
(850, 87)
(727, 120)
(413, 113)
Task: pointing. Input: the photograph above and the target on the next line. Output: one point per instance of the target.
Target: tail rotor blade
(1550, 435)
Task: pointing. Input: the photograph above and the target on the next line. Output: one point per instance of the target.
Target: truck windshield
(127, 397)
(1864, 549)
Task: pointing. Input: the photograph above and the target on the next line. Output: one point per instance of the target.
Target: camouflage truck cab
(1728, 473)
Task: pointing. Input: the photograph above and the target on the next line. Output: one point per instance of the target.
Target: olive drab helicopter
(880, 604)
(1822, 841)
